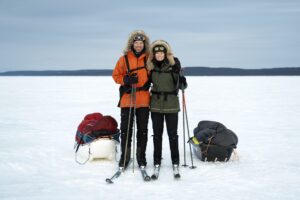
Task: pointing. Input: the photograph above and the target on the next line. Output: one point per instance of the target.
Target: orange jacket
(142, 97)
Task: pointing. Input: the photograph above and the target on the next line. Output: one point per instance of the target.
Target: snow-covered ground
(39, 117)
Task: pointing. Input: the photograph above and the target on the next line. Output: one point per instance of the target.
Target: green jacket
(165, 84)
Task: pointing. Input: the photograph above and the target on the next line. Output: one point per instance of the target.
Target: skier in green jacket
(164, 104)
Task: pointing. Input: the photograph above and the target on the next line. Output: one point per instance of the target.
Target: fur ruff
(130, 41)
(169, 53)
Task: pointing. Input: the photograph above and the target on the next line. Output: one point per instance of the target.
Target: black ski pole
(133, 121)
(128, 128)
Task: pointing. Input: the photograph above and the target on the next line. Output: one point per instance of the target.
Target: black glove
(130, 79)
(182, 82)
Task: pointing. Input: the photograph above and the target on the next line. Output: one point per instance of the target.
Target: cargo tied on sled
(97, 135)
(212, 141)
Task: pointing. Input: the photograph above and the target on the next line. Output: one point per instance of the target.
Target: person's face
(138, 46)
(160, 56)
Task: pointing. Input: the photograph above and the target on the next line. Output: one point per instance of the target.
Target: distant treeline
(209, 71)
(189, 71)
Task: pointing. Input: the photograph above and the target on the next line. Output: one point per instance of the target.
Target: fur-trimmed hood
(130, 41)
(169, 53)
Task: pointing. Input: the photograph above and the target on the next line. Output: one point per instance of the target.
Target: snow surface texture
(39, 117)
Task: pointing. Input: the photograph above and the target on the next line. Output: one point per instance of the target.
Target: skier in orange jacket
(131, 72)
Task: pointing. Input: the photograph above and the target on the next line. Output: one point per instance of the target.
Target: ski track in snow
(39, 117)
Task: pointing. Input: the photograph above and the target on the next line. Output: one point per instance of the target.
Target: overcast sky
(91, 34)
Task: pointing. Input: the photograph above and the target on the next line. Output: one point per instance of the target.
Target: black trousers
(141, 119)
(158, 127)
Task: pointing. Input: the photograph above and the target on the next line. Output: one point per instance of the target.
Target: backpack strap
(135, 69)
(174, 81)
(125, 89)
(127, 64)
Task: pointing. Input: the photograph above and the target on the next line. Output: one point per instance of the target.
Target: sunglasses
(139, 38)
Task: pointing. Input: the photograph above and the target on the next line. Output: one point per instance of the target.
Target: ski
(118, 173)
(146, 177)
(176, 172)
(156, 172)
(115, 176)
